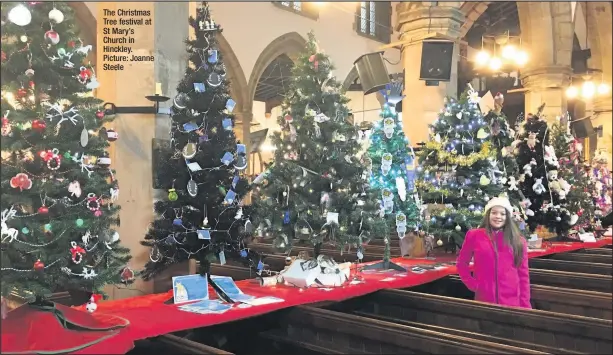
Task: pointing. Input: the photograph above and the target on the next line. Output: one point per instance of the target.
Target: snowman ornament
(92, 305)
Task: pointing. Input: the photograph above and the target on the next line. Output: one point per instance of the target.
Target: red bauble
(32, 85)
(71, 44)
(100, 114)
(43, 210)
(39, 125)
(22, 93)
(39, 265)
(580, 213)
(3, 56)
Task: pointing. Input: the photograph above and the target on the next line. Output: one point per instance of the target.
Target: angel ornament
(386, 163)
(401, 224)
(388, 127)
(388, 200)
(538, 186)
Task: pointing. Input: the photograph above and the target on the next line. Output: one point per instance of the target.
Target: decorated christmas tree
(458, 171)
(392, 170)
(316, 189)
(538, 162)
(501, 137)
(203, 217)
(602, 183)
(58, 191)
(571, 181)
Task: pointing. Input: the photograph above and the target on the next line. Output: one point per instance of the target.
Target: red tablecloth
(150, 317)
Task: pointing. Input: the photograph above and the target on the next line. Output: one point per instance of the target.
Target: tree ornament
(20, 15)
(77, 253)
(92, 305)
(93, 204)
(79, 222)
(39, 265)
(84, 75)
(39, 126)
(52, 37)
(29, 72)
(75, 189)
(189, 151)
(56, 15)
(439, 242)
(100, 114)
(52, 158)
(21, 181)
(47, 228)
(43, 210)
(172, 195)
(112, 135)
(127, 275)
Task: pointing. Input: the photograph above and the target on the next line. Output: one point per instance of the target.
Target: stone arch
(548, 26)
(290, 44)
(350, 79)
(87, 25)
(599, 35)
(235, 73)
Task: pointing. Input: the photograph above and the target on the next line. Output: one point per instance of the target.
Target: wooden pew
(582, 334)
(347, 333)
(546, 298)
(472, 335)
(570, 266)
(584, 257)
(170, 344)
(565, 279)
(601, 251)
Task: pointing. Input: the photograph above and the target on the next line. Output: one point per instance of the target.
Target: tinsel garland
(462, 160)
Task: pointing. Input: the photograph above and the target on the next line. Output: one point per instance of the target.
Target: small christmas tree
(58, 192)
(392, 175)
(539, 164)
(459, 173)
(571, 182)
(602, 183)
(315, 189)
(203, 217)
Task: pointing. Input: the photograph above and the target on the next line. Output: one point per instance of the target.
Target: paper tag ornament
(204, 234)
(386, 163)
(388, 127)
(332, 217)
(227, 158)
(199, 87)
(484, 180)
(192, 188)
(212, 56)
(84, 137)
(227, 124)
(230, 196)
(401, 224)
(482, 134)
(190, 126)
(230, 104)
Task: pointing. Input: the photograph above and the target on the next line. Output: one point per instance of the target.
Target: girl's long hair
(512, 235)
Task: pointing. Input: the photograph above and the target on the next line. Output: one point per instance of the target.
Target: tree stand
(385, 264)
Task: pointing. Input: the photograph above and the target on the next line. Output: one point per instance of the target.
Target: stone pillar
(546, 84)
(132, 152)
(423, 103)
(602, 116)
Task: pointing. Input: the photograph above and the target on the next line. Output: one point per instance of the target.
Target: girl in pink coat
(500, 270)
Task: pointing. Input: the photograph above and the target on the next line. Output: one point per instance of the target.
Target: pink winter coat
(496, 279)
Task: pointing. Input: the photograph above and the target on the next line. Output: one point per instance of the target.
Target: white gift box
(296, 275)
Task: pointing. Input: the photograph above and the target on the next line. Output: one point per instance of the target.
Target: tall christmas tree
(458, 171)
(203, 217)
(392, 174)
(58, 191)
(538, 162)
(315, 189)
(571, 181)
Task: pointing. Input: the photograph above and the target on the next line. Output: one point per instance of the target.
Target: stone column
(128, 86)
(602, 116)
(546, 84)
(423, 103)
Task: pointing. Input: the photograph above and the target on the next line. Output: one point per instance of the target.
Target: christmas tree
(602, 182)
(58, 191)
(458, 171)
(571, 181)
(315, 189)
(538, 162)
(203, 217)
(501, 137)
(392, 169)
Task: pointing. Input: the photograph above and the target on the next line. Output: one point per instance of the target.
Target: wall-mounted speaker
(436, 60)
(372, 72)
(582, 127)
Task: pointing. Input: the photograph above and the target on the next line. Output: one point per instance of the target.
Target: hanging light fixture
(499, 52)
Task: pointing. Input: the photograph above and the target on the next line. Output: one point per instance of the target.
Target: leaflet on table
(206, 307)
(231, 289)
(189, 288)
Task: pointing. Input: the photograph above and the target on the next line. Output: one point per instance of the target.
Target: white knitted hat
(499, 201)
